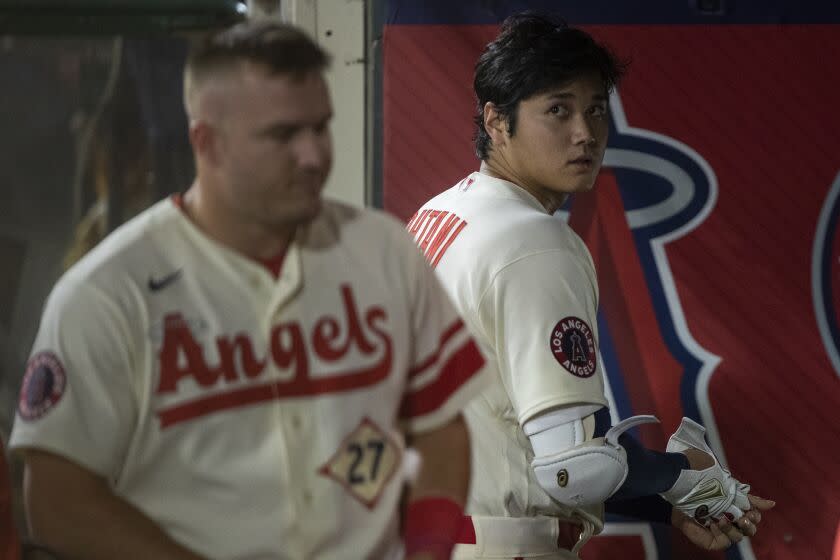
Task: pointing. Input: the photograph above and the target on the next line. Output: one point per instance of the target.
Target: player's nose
(582, 132)
(313, 149)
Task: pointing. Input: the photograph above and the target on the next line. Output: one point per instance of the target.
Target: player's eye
(558, 110)
(598, 110)
(321, 127)
(282, 134)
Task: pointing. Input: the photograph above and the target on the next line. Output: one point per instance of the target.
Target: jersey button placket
(285, 460)
(298, 444)
(297, 423)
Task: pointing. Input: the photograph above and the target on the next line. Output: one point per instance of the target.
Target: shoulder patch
(573, 346)
(43, 385)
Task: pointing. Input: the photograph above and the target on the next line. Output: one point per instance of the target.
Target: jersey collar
(500, 188)
(290, 274)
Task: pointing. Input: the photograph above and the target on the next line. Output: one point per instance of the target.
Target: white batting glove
(708, 494)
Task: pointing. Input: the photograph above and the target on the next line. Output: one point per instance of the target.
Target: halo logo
(825, 274)
(652, 190)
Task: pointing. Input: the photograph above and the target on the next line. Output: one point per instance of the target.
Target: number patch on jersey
(364, 463)
(573, 346)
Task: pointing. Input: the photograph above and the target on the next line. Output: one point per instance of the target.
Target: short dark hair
(281, 48)
(533, 53)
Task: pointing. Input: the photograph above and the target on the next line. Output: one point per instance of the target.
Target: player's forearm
(445, 454)
(646, 508)
(649, 472)
(77, 516)
(436, 500)
(102, 527)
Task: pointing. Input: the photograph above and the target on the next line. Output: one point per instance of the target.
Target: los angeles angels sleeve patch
(364, 463)
(573, 346)
(43, 386)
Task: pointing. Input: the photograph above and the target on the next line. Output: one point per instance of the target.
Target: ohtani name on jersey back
(289, 348)
(434, 231)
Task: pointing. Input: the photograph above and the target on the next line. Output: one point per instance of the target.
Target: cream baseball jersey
(525, 284)
(250, 416)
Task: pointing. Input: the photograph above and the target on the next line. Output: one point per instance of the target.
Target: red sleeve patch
(573, 346)
(43, 386)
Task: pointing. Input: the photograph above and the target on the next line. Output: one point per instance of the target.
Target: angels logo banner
(713, 226)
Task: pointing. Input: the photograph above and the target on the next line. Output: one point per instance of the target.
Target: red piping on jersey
(432, 360)
(460, 367)
(275, 263)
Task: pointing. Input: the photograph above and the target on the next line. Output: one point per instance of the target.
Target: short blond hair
(278, 47)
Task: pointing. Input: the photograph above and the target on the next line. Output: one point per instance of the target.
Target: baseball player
(234, 373)
(545, 458)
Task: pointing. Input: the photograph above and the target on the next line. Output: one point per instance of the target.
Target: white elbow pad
(587, 473)
(584, 475)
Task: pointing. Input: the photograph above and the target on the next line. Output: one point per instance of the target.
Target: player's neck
(549, 199)
(220, 224)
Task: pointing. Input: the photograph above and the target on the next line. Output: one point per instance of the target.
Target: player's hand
(707, 492)
(721, 534)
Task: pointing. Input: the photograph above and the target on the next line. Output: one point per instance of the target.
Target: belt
(568, 533)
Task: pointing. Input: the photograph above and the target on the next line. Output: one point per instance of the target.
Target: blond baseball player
(545, 458)
(234, 373)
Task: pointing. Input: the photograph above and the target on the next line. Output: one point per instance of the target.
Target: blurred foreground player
(9, 541)
(545, 457)
(233, 373)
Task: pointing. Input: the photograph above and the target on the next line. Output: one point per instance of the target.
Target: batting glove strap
(708, 494)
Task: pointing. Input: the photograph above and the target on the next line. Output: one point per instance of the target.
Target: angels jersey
(525, 284)
(250, 416)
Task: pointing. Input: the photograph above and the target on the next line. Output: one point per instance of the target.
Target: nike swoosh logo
(705, 492)
(157, 284)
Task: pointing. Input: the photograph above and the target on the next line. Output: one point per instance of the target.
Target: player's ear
(495, 123)
(204, 140)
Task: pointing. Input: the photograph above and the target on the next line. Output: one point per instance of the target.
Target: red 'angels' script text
(289, 346)
(434, 231)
